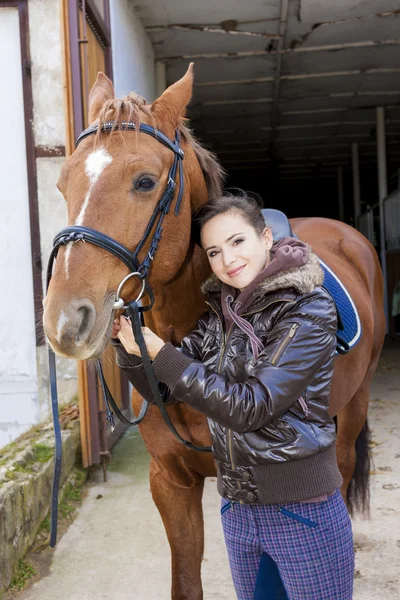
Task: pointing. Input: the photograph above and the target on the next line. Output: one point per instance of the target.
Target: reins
(78, 233)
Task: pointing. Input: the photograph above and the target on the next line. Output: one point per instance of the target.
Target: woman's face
(237, 253)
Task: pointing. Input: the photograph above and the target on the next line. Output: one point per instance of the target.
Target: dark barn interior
(286, 93)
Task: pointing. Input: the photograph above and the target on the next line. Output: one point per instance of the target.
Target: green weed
(24, 572)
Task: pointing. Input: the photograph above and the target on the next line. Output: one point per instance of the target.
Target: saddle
(349, 324)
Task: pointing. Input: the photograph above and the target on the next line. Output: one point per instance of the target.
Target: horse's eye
(145, 184)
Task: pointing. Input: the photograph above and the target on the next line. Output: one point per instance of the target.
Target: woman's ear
(269, 240)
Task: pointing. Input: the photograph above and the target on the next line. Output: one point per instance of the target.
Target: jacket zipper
(284, 343)
(222, 356)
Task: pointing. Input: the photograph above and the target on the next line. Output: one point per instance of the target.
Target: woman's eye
(212, 254)
(238, 241)
(145, 184)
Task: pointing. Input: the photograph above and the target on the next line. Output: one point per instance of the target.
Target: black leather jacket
(273, 439)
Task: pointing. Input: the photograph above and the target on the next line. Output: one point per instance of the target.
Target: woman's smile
(236, 271)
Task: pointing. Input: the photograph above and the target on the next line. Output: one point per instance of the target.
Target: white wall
(133, 54)
(18, 383)
(24, 390)
(49, 131)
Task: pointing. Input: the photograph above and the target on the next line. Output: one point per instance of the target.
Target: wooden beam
(31, 169)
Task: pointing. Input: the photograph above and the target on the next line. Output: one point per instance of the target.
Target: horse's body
(78, 309)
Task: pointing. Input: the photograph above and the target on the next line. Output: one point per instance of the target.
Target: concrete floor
(116, 549)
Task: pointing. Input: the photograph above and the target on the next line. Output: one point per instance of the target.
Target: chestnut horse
(112, 183)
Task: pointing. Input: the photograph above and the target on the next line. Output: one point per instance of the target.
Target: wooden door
(87, 50)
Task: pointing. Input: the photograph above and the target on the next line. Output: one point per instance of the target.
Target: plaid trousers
(295, 551)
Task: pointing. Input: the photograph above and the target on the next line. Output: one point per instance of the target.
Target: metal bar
(340, 193)
(31, 169)
(382, 193)
(306, 76)
(98, 22)
(356, 182)
(93, 410)
(297, 50)
(108, 47)
(161, 78)
(85, 55)
(75, 67)
(49, 151)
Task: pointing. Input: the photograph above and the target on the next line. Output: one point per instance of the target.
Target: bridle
(77, 233)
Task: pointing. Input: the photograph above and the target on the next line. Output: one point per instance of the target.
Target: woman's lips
(235, 272)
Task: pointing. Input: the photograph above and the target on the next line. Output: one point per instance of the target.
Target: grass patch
(71, 497)
(45, 524)
(41, 453)
(65, 509)
(24, 572)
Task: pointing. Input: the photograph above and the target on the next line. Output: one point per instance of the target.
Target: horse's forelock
(122, 109)
(130, 108)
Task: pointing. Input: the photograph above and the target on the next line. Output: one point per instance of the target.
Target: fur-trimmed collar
(303, 279)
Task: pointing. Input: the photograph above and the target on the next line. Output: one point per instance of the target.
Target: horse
(112, 183)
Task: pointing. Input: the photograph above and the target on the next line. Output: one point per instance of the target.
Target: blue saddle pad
(349, 324)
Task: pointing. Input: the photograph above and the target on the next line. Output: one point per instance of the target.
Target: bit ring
(119, 302)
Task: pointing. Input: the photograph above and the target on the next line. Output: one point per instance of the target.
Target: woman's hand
(123, 330)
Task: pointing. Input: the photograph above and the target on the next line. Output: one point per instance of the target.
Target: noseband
(78, 233)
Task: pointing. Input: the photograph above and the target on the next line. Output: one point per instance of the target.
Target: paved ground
(117, 550)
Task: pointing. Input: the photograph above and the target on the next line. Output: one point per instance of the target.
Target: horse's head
(112, 184)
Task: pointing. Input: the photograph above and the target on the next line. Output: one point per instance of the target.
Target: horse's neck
(179, 303)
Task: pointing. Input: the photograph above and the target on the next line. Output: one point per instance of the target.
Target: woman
(259, 366)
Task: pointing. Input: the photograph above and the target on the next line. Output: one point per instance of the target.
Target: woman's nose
(228, 258)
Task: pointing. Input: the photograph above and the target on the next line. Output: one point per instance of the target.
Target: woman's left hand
(125, 335)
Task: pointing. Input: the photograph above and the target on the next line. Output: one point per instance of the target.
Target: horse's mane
(131, 106)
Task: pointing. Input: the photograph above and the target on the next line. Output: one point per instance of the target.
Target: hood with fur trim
(303, 279)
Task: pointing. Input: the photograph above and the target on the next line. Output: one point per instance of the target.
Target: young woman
(259, 366)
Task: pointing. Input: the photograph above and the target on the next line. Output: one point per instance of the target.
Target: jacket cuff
(123, 359)
(169, 364)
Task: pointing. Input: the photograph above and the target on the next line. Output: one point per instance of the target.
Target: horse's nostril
(85, 316)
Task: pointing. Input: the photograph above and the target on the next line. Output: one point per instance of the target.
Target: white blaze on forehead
(95, 164)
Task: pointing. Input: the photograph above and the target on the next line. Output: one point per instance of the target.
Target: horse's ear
(171, 105)
(101, 91)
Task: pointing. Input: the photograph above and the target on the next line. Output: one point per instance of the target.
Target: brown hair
(249, 206)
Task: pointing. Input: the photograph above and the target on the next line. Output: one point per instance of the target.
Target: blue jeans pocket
(299, 518)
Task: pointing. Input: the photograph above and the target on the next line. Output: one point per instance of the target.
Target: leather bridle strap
(58, 448)
(132, 309)
(109, 400)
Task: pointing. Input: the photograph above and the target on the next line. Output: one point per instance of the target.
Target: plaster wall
(49, 131)
(24, 392)
(18, 389)
(47, 72)
(134, 67)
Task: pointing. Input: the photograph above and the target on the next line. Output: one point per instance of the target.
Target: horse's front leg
(180, 507)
